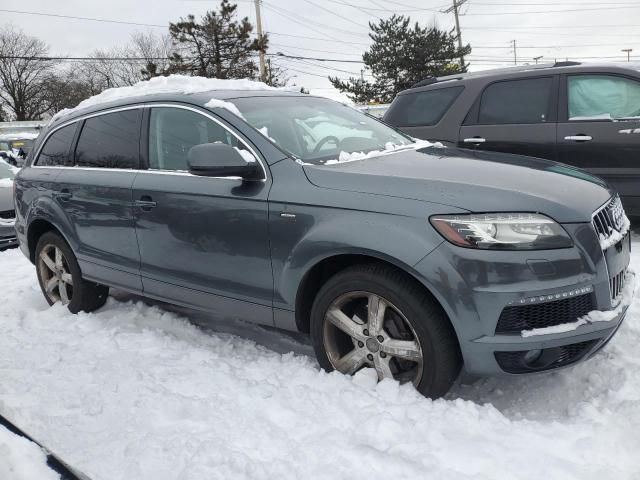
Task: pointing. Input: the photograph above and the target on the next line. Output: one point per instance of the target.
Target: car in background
(587, 116)
(377, 111)
(7, 211)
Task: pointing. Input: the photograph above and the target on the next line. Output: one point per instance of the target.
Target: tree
(65, 90)
(276, 75)
(219, 46)
(22, 72)
(400, 56)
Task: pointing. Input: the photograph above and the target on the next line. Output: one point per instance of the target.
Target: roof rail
(566, 64)
(493, 71)
(426, 81)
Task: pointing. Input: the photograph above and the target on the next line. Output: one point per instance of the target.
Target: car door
(599, 130)
(203, 241)
(514, 116)
(96, 197)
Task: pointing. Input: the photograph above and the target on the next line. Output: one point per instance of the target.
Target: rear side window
(422, 108)
(56, 150)
(603, 97)
(110, 141)
(172, 133)
(516, 101)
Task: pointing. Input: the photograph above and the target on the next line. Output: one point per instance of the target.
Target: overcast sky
(337, 29)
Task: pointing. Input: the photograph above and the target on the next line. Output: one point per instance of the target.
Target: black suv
(582, 115)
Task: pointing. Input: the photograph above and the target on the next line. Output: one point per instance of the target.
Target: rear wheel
(60, 277)
(375, 316)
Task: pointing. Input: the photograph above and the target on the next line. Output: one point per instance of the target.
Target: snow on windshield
(170, 84)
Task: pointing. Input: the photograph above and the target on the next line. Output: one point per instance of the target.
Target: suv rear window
(516, 101)
(56, 151)
(110, 141)
(421, 108)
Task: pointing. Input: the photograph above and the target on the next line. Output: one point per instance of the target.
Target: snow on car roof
(175, 84)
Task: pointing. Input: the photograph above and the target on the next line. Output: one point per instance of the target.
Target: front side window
(516, 101)
(422, 108)
(110, 141)
(55, 151)
(174, 131)
(317, 129)
(603, 97)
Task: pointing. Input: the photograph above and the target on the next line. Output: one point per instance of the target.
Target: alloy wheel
(362, 329)
(55, 276)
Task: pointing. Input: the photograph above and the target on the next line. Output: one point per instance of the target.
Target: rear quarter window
(424, 108)
(56, 150)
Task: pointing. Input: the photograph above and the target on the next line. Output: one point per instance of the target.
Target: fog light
(532, 356)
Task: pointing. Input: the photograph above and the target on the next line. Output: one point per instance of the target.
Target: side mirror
(222, 160)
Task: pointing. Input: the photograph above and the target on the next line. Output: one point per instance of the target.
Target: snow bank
(136, 392)
(615, 236)
(171, 84)
(21, 459)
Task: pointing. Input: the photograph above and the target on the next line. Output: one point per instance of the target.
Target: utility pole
(515, 57)
(628, 52)
(455, 8)
(538, 58)
(263, 70)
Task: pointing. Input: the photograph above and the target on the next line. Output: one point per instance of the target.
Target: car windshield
(317, 129)
(4, 146)
(5, 170)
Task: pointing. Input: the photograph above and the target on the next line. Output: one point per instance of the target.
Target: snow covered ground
(21, 459)
(137, 391)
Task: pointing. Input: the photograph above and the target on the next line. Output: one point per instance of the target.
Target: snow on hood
(389, 148)
(19, 136)
(171, 84)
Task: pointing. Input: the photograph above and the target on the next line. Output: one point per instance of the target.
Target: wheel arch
(38, 227)
(325, 268)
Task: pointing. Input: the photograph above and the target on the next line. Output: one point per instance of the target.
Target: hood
(476, 181)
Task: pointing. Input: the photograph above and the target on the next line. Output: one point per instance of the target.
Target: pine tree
(400, 56)
(219, 46)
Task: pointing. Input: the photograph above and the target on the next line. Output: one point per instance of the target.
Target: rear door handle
(145, 203)
(579, 138)
(474, 140)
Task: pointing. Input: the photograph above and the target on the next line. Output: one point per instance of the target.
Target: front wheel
(375, 316)
(60, 277)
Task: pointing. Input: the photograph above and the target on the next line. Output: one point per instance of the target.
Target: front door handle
(474, 140)
(579, 138)
(146, 203)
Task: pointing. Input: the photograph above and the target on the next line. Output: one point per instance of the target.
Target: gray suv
(587, 116)
(301, 213)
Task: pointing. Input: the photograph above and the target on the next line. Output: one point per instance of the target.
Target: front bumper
(475, 286)
(8, 237)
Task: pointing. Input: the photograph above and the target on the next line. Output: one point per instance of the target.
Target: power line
(346, 19)
(528, 12)
(71, 17)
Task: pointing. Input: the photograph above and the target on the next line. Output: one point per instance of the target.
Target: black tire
(440, 350)
(84, 295)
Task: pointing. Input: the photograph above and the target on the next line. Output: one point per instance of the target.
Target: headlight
(502, 231)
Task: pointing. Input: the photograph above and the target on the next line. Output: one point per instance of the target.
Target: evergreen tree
(400, 56)
(219, 46)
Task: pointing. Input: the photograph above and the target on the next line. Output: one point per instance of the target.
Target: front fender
(317, 234)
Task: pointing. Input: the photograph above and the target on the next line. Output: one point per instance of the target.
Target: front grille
(609, 219)
(8, 214)
(514, 319)
(555, 357)
(616, 284)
